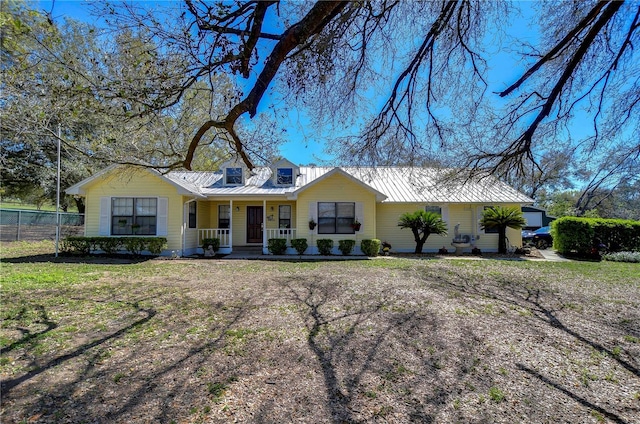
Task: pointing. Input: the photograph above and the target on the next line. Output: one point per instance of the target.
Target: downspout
(184, 224)
(231, 225)
(264, 227)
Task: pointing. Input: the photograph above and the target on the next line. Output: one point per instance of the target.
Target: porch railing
(281, 233)
(219, 233)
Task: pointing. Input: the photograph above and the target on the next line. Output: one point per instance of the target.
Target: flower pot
(356, 226)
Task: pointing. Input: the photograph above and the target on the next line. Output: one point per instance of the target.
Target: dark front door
(254, 224)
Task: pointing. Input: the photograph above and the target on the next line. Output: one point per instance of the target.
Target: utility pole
(58, 195)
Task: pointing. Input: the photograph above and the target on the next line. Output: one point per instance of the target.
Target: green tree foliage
(424, 69)
(67, 75)
(500, 218)
(422, 224)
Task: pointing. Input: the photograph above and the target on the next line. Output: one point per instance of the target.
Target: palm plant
(500, 218)
(422, 225)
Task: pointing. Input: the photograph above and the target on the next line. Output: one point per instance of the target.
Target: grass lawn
(385, 340)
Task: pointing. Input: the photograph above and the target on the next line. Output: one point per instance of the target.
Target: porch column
(231, 225)
(265, 250)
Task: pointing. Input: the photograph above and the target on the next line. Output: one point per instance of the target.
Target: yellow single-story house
(246, 208)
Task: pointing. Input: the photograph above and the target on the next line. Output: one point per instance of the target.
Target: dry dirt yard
(390, 340)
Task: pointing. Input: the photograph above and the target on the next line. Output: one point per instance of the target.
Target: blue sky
(304, 147)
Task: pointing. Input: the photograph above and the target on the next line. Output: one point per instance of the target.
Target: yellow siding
(402, 239)
(272, 215)
(134, 183)
(205, 213)
(466, 215)
(337, 188)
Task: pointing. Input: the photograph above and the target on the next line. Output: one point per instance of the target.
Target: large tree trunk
(502, 240)
(420, 241)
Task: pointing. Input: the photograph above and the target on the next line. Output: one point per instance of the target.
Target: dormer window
(233, 176)
(284, 176)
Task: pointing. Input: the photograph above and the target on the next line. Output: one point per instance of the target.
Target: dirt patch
(401, 340)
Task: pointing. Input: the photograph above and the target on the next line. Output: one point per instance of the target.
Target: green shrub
(581, 235)
(78, 245)
(213, 242)
(300, 245)
(277, 246)
(324, 246)
(633, 257)
(111, 245)
(135, 245)
(346, 246)
(108, 245)
(572, 234)
(370, 247)
(155, 245)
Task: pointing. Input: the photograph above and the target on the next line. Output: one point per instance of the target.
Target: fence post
(18, 232)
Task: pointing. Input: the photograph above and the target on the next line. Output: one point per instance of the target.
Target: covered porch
(246, 222)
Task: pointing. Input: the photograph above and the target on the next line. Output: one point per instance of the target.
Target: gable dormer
(234, 173)
(284, 173)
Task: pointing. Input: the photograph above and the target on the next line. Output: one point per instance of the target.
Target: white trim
(79, 188)
(224, 177)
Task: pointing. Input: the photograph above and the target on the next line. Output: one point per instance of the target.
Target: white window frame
(134, 215)
(278, 181)
(226, 176)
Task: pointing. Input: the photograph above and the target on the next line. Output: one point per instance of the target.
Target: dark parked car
(540, 238)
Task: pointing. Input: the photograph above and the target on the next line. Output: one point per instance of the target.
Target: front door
(254, 224)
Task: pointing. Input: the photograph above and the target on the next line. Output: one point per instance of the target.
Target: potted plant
(312, 224)
(135, 228)
(356, 225)
(122, 222)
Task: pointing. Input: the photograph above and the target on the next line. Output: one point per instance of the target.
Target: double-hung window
(193, 207)
(134, 215)
(224, 216)
(336, 217)
(284, 216)
(434, 209)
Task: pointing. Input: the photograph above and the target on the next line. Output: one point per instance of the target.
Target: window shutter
(161, 219)
(445, 213)
(105, 216)
(360, 214)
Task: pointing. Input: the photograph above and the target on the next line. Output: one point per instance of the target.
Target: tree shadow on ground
(547, 307)
(54, 405)
(350, 341)
(8, 385)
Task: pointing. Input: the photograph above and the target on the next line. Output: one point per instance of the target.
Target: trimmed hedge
(277, 246)
(346, 246)
(300, 245)
(370, 247)
(582, 235)
(324, 246)
(111, 245)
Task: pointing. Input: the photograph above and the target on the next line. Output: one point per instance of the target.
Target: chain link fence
(16, 225)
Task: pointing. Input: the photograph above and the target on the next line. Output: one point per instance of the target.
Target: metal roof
(398, 184)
